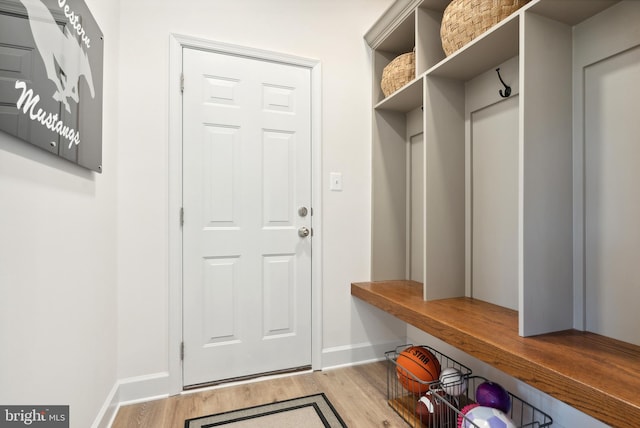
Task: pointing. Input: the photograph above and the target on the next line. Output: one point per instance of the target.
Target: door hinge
(182, 83)
(181, 216)
(181, 351)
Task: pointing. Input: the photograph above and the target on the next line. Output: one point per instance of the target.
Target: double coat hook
(507, 88)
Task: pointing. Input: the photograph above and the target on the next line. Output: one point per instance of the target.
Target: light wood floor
(358, 393)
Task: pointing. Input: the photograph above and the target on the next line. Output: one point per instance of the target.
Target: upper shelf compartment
(383, 33)
(409, 25)
(402, 38)
(406, 99)
(493, 47)
(501, 42)
(570, 12)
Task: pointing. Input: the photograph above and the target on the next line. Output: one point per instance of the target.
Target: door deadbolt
(303, 211)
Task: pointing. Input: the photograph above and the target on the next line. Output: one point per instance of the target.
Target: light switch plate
(335, 181)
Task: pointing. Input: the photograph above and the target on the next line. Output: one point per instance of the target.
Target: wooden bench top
(597, 375)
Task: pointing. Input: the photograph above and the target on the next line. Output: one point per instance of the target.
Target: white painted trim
(361, 353)
(177, 43)
(175, 203)
(389, 21)
(316, 220)
(107, 414)
(395, 15)
(231, 49)
(143, 388)
(130, 391)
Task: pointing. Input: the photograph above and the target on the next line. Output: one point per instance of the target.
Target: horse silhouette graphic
(59, 49)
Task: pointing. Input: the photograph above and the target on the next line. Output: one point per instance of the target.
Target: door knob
(303, 232)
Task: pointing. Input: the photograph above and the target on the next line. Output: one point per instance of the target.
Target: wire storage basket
(407, 402)
(520, 413)
(464, 20)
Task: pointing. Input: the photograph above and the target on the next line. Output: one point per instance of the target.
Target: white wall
(83, 256)
(328, 30)
(58, 265)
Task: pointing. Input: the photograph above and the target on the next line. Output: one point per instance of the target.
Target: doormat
(310, 412)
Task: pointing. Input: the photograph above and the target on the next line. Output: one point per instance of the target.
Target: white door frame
(177, 43)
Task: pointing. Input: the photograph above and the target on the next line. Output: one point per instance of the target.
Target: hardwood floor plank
(141, 414)
(359, 394)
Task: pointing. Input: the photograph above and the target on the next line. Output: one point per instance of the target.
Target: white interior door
(246, 178)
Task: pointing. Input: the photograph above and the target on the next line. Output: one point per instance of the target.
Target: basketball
(420, 363)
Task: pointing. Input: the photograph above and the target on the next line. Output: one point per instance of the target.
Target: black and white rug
(309, 412)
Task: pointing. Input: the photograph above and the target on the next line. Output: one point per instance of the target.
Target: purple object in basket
(491, 394)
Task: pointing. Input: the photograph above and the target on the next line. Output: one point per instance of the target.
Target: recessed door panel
(221, 153)
(279, 295)
(279, 185)
(612, 201)
(219, 304)
(416, 233)
(494, 147)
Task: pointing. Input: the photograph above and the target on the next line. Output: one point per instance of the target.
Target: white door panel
(494, 273)
(612, 203)
(247, 162)
(416, 185)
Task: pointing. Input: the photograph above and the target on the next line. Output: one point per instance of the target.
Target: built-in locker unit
(525, 201)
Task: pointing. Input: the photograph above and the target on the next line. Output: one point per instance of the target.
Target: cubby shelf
(503, 192)
(484, 52)
(405, 99)
(595, 374)
(570, 12)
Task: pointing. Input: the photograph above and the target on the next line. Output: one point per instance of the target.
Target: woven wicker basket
(398, 73)
(464, 20)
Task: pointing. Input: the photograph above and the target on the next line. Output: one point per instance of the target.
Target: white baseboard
(144, 388)
(129, 391)
(107, 413)
(356, 354)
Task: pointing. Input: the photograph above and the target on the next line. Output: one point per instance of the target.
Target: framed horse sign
(51, 65)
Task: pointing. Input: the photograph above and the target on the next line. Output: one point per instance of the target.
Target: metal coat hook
(507, 88)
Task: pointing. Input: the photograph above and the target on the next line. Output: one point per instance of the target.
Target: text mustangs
(29, 103)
